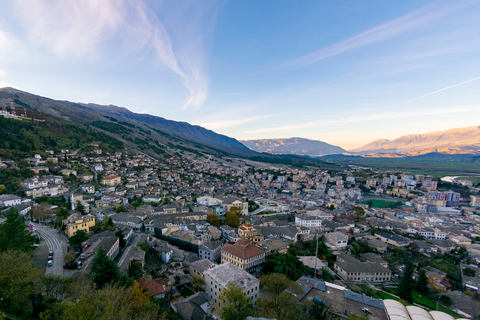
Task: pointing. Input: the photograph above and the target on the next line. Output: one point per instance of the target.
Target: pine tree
(13, 233)
(422, 282)
(406, 283)
(104, 270)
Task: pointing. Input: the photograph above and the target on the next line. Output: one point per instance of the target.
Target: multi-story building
(78, 222)
(210, 250)
(247, 231)
(244, 255)
(234, 202)
(308, 221)
(219, 277)
(9, 200)
(352, 269)
(112, 180)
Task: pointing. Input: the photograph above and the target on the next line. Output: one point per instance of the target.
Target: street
(57, 243)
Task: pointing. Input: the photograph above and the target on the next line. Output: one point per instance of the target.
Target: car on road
(50, 255)
(50, 263)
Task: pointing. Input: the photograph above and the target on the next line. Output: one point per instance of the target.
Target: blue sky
(345, 72)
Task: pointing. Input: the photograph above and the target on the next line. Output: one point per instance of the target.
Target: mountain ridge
(126, 122)
(463, 140)
(293, 145)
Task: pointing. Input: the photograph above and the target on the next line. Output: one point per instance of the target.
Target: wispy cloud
(233, 122)
(359, 118)
(176, 34)
(382, 32)
(434, 92)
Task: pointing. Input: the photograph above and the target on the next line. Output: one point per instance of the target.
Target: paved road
(55, 242)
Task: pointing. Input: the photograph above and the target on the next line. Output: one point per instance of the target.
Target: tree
(41, 212)
(274, 298)
(406, 283)
(236, 304)
(232, 218)
(469, 272)
(121, 238)
(135, 270)
(17, 277)
(104, 270)
(198, 283)
(77, 239)
(422, 282)
(107, 303)
(287, 264)
(213, 219)
(319, 311)
(13, 233)
(80, 207)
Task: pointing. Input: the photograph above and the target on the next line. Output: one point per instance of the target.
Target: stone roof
(202, 265)
(230, 273)
(192, 308)
(351, 264)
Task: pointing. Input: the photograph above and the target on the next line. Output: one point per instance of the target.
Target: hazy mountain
(298, 146)
(453, 141)
(132, 128)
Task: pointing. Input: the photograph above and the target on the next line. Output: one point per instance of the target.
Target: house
(272, 246)
(230, 202)
(379, 245)
(247, 231)
(218, 278)
(156, 288)
(308, 221)
(77, 222)
(437, 279)
(210, 250)
(194, 307)
(340, 299)
(352, 269)
(336, 240)
(128, 220)
(392, 239)
(244, 255)
(111, 180)
(9, 200)
(198, 267)
(107, 241)
(151, 198)
(68, 172)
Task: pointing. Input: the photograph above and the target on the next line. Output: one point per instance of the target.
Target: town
(228, 238)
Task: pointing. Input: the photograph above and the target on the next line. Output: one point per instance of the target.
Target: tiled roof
(243, 249)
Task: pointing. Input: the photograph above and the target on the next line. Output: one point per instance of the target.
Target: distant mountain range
(297, 146)
(453, 141)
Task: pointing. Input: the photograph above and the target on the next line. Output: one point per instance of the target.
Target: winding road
(57, 243)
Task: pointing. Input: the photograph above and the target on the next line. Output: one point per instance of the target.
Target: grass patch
(375, 203)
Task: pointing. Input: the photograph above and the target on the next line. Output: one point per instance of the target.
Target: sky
(344, 72)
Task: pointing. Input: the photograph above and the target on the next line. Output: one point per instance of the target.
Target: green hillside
(20, 137)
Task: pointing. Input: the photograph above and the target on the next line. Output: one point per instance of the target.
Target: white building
(218, 278)
(9, 200)
(336, 240)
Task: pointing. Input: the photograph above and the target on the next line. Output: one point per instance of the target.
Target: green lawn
(431, 304)
(375, 203)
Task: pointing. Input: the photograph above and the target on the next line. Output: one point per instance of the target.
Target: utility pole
(316, 256)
